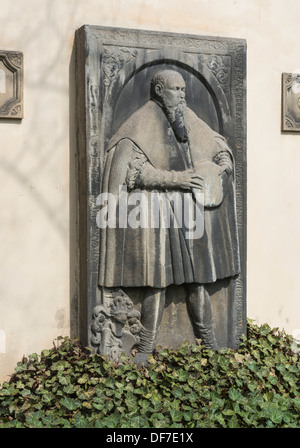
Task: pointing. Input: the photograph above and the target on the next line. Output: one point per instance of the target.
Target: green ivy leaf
(59, 366)
(138, 422)
(159, 420)
(176, 415)
(25, 392)
(234, 394)
(296, 403)
(109, 382)
(183, 375)
(70, 403)
(87, 405)
(276, 416)
(83, 379)
(272, 379)
(47, 397)
(98, 404)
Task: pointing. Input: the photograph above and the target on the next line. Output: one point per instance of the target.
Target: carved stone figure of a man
(165, 147)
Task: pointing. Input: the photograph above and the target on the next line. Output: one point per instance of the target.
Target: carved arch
(190, 64)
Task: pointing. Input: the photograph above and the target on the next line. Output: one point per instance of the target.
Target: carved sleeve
(150, 177)
(142, 174)
(223, 157)
(137, 161)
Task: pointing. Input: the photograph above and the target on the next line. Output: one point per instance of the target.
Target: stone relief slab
(291, 102)
(11, 84)
(114, 71)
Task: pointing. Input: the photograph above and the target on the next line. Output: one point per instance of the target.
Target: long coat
(159, 257)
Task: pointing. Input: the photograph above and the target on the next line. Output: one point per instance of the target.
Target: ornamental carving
(11, 84)
(114, 59)
(220, 67)
(291, 102)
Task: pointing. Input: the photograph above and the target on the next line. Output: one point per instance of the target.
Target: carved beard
(177, 118)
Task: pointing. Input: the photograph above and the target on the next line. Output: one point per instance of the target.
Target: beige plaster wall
(37, 178)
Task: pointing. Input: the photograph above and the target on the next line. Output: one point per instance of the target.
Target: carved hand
(190, 179)
(223, 159)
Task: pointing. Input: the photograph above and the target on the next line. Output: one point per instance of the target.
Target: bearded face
(172, 97)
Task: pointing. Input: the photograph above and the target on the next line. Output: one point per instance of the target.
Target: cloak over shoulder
(159, 257)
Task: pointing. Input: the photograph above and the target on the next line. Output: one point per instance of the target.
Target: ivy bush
(256, 386)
